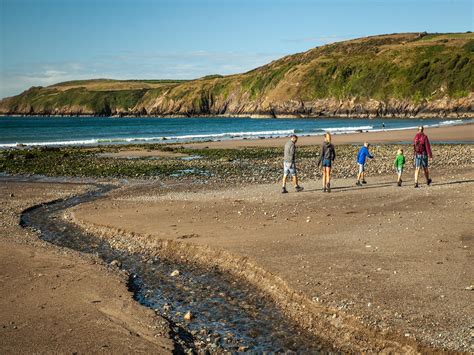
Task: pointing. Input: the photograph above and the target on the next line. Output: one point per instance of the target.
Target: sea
(61, 131)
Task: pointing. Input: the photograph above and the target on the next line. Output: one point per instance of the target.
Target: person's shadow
(379, 185)
(453, 182)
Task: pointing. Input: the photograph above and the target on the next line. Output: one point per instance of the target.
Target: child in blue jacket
(361, 159)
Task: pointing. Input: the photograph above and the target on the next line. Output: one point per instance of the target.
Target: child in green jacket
(399, 163)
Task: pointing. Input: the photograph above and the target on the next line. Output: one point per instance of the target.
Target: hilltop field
(397, 75)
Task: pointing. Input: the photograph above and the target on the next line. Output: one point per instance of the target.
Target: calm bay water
(99, 130)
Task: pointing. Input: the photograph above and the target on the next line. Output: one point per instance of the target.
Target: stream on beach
(228, 313)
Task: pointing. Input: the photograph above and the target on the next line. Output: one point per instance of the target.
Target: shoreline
(462, 133)
(455, 133)
(403, 115)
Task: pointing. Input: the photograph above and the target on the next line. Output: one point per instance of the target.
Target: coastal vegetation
(398, 75)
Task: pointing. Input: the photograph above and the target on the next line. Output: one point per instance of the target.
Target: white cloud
(126, 65)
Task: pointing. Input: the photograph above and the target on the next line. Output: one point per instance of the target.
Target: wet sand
(396, 259)
(461, 133)
(53, 300)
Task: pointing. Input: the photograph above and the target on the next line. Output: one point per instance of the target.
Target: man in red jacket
(421, 152)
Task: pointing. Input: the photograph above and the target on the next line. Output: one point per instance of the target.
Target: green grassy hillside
(391, 75)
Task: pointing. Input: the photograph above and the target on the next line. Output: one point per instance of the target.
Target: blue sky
(47, 41)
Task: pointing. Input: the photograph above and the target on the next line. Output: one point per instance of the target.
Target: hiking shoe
(429, 181)
(358, 183)
(399, 183)
(324, 189)
(416, 185)
(299, 188)
(328, 187)
(284, 190)
(364, 182)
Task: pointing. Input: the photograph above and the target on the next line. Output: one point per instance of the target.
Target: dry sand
(399, 259)
(53, 300)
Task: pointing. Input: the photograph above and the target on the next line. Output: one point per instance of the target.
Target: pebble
(188, 315)
(116, 263)
(175, 273)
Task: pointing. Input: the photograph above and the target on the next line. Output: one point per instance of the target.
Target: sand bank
(396, 260)
(53, 300)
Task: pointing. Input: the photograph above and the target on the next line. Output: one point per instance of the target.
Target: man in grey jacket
(289, 164)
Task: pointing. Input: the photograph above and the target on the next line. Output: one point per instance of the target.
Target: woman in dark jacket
(327, 156)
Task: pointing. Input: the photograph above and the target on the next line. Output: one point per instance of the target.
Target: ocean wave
(33, 144)
(276, 133)
(451, 122)
(434, 125)
(235, 134)
(394, 129)
(347, 129)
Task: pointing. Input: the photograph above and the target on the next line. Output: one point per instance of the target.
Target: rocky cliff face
(329, 107)
(401, 75)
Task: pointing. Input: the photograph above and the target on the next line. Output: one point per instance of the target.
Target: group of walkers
(421, 153)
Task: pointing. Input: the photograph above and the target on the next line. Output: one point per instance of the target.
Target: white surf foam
(33, 144)
(276, 133)
(230, 135)
(347, 129)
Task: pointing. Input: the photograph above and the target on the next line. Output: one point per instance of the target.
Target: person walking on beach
(399, 163)
(361, 159)
(289, 164)
(422, 151)
(326, 158)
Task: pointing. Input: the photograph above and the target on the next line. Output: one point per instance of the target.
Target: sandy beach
(54, 300)
(373, 268)
(395, 258)
(162, 168)
(461, 133)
